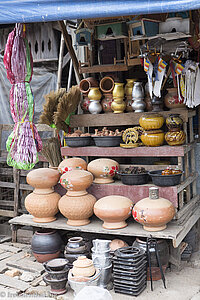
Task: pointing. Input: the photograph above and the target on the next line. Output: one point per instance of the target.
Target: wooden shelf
(104, 68)
(162, 151)
(131, 118)
(173, 232)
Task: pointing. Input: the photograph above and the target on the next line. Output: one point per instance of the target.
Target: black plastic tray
(78, 141)
(164, 180)
(107, 141)
(134, 179)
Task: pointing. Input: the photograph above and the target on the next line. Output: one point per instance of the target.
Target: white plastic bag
(93, 293)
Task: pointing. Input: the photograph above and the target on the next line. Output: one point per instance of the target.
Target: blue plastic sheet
(12, 11)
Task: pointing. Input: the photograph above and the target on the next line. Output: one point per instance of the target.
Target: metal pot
(138, 91)
(95, 107)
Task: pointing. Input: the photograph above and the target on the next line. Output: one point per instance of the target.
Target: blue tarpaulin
(25, 11)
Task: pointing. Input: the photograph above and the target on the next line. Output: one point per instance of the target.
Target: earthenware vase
(74, 163)
(174, 122)
(153, 212)
(153, 138)
(113, 210)
(151, 121)
(103, 169)
(107, 85)
(42, 203)
(46, 244)
(83, 267)
(106, 103)
(171, 99)
(118, 105)
(175, 137)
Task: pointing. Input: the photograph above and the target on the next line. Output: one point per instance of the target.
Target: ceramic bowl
(153, 138)
(74, 163)
(151, 121)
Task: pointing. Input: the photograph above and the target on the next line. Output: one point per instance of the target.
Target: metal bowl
(165, 180)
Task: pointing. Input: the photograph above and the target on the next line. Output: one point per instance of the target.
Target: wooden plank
(104, 68)
(11, 185)
(6, 203)
(162, 151)
(27, 265)
(7, 213)
(133, 228)
(187, 182)
(184, 211)
(134, 62)
(25, 187)
(16, 177)
(111, 119)
(13, 283)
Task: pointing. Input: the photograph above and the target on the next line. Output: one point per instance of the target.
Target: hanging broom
(51, 151)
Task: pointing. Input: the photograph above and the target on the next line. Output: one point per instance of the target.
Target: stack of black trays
(129, 270)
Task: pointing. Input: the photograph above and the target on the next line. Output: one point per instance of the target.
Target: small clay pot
(106, 103)
(107, 85)
(83, 267)
(116, 244)
(58, 286)
(86, 83)
(76, 245)
(74, 163)
(46, 245)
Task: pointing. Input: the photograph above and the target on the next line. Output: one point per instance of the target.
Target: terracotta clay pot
(107, 85)
(116, 244)
(77, 209)
(104, 169)
(113, 210)
(171, 99)
(83, 267)
(86, 83)
(43, 202)
(153, 138)
(70, 164)
(153, 212)
(76, 182)
(106, 103)
(46, 244)
(85, 102)
(175, 138)
(151, 121)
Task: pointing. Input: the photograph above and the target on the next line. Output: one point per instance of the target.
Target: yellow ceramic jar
(129, 87)
(175, 138)
(118, 91)
(94, 93)
(151, 121)
(153, 138)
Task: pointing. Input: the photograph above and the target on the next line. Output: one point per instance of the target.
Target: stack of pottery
(152, 136)
(57, 274)
(163, 252)
(128, 93)
(138, 104)
(46, 244)
(113, 210)
(103, 169)
(103, 260)
(129, 271)
(95, 96)
(107, 86)
(42, 203)
(77, 205)
(85, 85)
(83, 273)
(175, 136)
(153, 212)
(74, 163)
(118, 105)
(75, 247)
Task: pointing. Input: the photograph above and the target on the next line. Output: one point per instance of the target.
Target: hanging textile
(24, 141)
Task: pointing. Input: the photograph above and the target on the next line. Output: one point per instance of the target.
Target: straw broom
(51, 151)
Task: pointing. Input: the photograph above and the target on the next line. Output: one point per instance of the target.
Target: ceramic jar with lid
(103, 169)
(42, 203)
(153, 212)
(151, 121)
(153, 138)
(113, 210)
(74, 163)
(83, 267)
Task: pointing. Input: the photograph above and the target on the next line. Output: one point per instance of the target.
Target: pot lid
(82, 262)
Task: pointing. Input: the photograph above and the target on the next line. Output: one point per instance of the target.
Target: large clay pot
(107, 85)
(153, 138)
(74, 163)
(106, 103)
(103, 169)
(113, 210)
(46, 244)
(151, 121)
(171, 99)
(174, 121)
(87, 83)
(42, 203)
(76, 182)
(118, 105)
(83, 267)
(175, 138)
(153, 212)
(77, 209)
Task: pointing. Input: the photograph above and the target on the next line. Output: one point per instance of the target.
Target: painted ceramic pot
(77, 209)
(76, 182)
(70, 164)
(171, 99)
(103, 169)
(151, 121)
(175, 138)
(85, 102)
(153, 212)
(107, 85)
(83, 267)
(43, 179)
(94, 94)
(113, 210)
(42, 207)
(86, 83)
(118, 105)
(174, 121)
(153, 138)
(106, 103)
(46, 244)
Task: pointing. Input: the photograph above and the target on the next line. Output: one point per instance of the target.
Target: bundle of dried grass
(68, 104)
(50, 106)
(51, 151)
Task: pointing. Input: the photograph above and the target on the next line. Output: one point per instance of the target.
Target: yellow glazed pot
(129, 87)
(175, 138)
(118, 105)
(153, 138)
(94, 94)
(151, 121)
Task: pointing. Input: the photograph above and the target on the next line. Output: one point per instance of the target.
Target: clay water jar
(46, 245)
(74, 163)
(113, 210)
(153, 212)
(83, 267)
(171, 99)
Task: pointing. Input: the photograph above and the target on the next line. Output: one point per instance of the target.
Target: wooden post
(60, 62)
(16, 177)
(70, 49)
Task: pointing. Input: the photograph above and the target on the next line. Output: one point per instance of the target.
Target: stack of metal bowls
(129, 270)
(102, 259)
